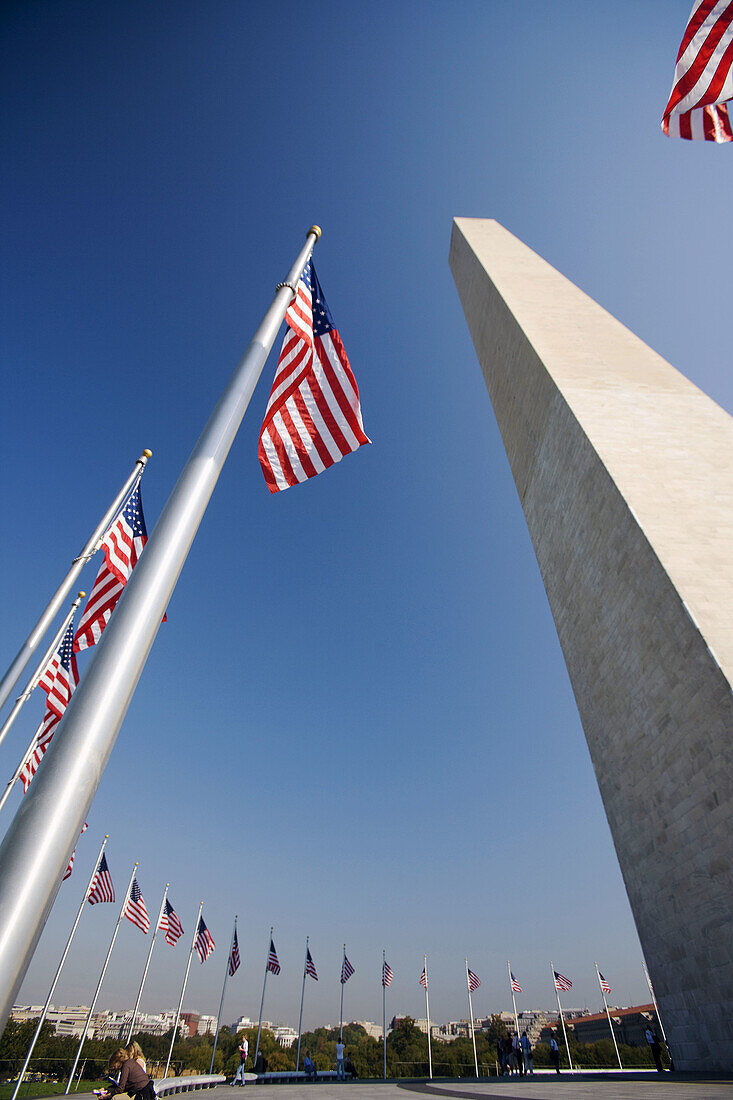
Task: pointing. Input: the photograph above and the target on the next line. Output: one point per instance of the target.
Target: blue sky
(357, 723)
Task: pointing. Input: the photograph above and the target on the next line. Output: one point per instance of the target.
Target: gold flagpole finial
(316, 229)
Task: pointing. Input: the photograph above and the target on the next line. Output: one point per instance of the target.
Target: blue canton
(133, 514)
(322, 319)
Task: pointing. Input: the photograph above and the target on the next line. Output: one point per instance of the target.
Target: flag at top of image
(703, 80)
(424, 978)
(234, 959)
(516, 987)
(135, 908)
(122, 546)
(605, 987)
(101, 888)
(273, 963)
(59, 679)
(170, 923)
(310, 966)
(473, 981)
(204, 942)
(562, 984)
(346, 970)
(387, 974)
(313, 417)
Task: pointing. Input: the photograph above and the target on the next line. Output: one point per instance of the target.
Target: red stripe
(337, 389)
(329, 419)
(316, 438)
(305, 460)
(695, 23)
(287, 469)
(689, 78)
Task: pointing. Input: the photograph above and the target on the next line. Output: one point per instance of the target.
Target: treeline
(407, 1052)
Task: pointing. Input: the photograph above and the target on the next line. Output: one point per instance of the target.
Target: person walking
(243, 1050)
(555, 1054)
(527, 1054)
(340, 1071)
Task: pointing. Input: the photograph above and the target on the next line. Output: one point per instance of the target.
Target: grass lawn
(30, 1089)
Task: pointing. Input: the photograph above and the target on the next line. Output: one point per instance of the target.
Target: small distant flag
(562, 984)
(204, 942)
(313, 417)
(234, 959)
(605, 987)
(102, 888)
(273, 964)
(310, 966)
(58, 680)
(70, 868)
(473, 980)
(516, 987)
(346, 970)
(170, 923)
(387, 974)
(135, 909)
(122, 546)
(424, 978)
(703, 82)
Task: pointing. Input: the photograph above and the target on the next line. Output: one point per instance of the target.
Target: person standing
(555, 1054)
(517, 1051)
(340, 1072)
(243, 1049)
(653, 1040)
(527, 1053)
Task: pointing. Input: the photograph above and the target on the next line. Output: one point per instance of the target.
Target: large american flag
(703, 81)
(135, 909)
(473, 980)
(516, 987)
(424, 978)
(272, 961)
(387, 974)
(204, 942)
(171, 924)
(313, 417)
(234, 959)
(310, 966)
(101, 888)
(605, 987)
(58, 680)
(562, 984)
(122, 546)
(346, 970)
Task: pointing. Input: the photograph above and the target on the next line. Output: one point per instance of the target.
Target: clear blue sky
(357, 723)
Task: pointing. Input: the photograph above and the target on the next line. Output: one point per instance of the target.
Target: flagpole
(605, 1005)
(183, 989)
(147, 964)
(37, 846)
(562, 1018)
(26, 651)
(23, 761)
(343, 983)
(101, 979)
(302, 996)
(57, 975)
(427, 1013)
(654, 1002)
(384, 1014)
(514, 1000)
(33, 682)
(223, 991)
(262, 1002)
(470, 1009)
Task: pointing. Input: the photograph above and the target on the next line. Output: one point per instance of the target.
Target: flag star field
(356, 724)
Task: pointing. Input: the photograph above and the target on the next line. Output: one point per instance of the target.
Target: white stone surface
(625, 473)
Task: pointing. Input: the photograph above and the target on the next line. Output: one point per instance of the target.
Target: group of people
(515, 1055)
(128, 1063)
(344, 1064)
(260, 1064)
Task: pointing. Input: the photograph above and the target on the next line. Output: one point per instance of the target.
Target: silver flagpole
(23, 761)
(470, 1009)
(384, 1014)
(656, 1007)
(101, 979)
(514, 1000)
(605, 1005)
(427, 1013)
(147, 965)
(262, 1002)
(562, 1018)
(343, 983)
(57, 975)
(37, 845)
(26, 651)
(183, 989)
(302, 998)
(33, 682)
(223, 991)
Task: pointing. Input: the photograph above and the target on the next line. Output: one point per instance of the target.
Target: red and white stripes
(703, 80)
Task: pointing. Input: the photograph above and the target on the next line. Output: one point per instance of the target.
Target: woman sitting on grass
(133, 1078)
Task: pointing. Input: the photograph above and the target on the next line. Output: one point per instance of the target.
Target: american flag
(562, 984)
(70, 868)
(310, 966)
(102, 888)
(424, 978)
(171, 924)
(313, 417)
(346, 970)
(122, 546)
(473, 980)
(703, 81)
(204, 942)
(58, 680)
(234, 959)
(605, 987)
(387, 974)
(272, 962)
(516, 987)
(135, 910)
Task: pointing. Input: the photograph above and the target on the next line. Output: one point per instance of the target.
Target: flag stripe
(703, 78)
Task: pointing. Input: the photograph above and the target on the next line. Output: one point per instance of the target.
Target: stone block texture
(624, 470)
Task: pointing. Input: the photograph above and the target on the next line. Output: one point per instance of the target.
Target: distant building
(206, 1025)
(285, 1036)
(373, 1030)
(629, 1025)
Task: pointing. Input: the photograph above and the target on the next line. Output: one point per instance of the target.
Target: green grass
(30, 1089)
